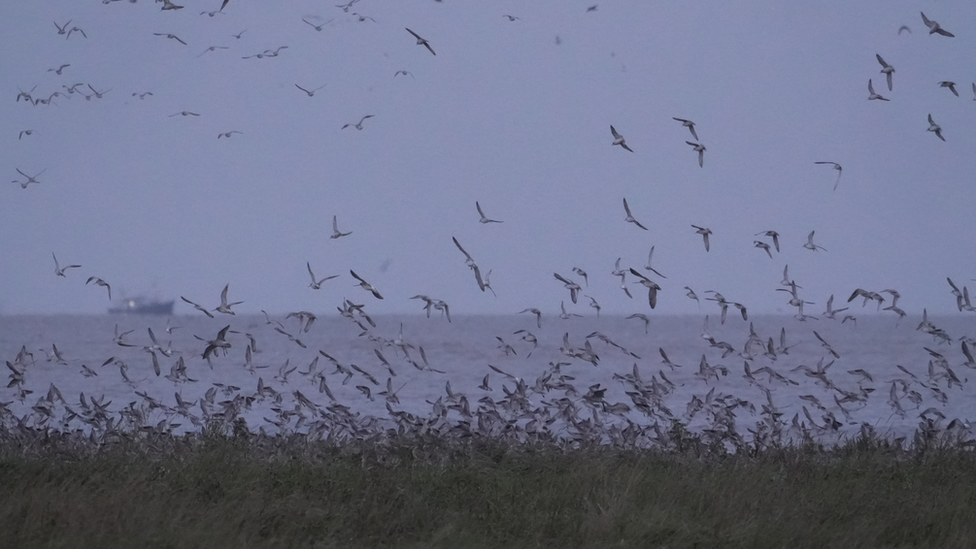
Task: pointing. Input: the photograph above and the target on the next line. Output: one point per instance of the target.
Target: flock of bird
(551, 407)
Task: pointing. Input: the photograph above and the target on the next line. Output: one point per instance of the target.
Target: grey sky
(502, 115)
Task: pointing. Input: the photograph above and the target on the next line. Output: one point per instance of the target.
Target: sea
(833, 378)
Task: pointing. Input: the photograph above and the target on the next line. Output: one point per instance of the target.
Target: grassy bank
(247, 492)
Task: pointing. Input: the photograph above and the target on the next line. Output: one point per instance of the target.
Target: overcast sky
(513, 114)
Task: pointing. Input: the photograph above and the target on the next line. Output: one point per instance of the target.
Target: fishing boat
(143, 306)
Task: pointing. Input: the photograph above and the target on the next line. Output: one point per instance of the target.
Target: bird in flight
(184, 113)
(772, 234)
(688, 124)
(317, 27)
(213, 48)
(950, 85)
(58, 70)
(365, 285)
(167, 5)
(228, 134)
(224, 306)
(100, 282)
(310, 93)
(618, 139)
(359, 125)
(404, 73)
(935, 28)
(886, 70)
(170, 36)
(421, 41)
(24, 184)
(810, 245)
(58, 270)
(933, 127)
(511, 17)
(704, 232)
(484, 219)
(630, 217)
(335, 230)
(317, 284)
(871, 93)
(836, 167)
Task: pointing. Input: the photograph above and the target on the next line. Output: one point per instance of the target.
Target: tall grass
(250, 491)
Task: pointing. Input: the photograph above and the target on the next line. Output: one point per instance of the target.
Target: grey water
(464, 348)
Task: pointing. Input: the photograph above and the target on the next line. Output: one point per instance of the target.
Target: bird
(170, 36)
(762, 245)
(359, 125)
(365, 285)
(810, 245)
(830, 312)
(886, 70)
(836, 167)
(582, 273)
(692, 295)
(23, 133)
(335, 230)
(58, 270)
(421, 41)
(469, 261)
(58, 70)
(974, 91)
(228, 134)
(950, 85)
(317, 27)
(404, 73)
(363, 18)
(630, 217)
(238, 35)
(511, 17)
(652, 287)
(213, 48)
(688, 124)
(935, 28)
(311, 93)
(772, 234)
(904, 28)
(317, 284)
(101, 282)
(482, 214)
(619, 139)
(935, 128)
(73, 29)
(700, 149)
(198, 307)
(184, 113)
(704, 232)
(573, 287)
(62, 29)
(167, 5)
(648, 267)
(30, 179)
(537, 313)
(224, 307)
(872, 95)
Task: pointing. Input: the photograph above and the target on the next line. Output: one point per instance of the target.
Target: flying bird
(404, 73)
(619, 139)
(317, 284)
(100, 282)
(228, 134)
(810, 245)
(359, 125)
(871, 93)
(421, 41)
(652, 287)
(484, 219)
(170, 36)
(58, 270)
(935, 28)
(224, 306)
(365, 285)
(335, 230)
(30, 179)
(950, 85)
(935, 128)
(511, 17)
(317, 27)
(688, 124)
(311, 93)
(630, 217)
(836, 167)
(886, 70)
(772, 234)
(704, 232)
(167, 5)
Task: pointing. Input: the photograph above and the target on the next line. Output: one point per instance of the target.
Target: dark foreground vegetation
(213, 491)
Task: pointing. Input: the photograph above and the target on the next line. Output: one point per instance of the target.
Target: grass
(248, 491)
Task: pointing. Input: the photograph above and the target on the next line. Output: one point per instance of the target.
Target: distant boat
(143, 306)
